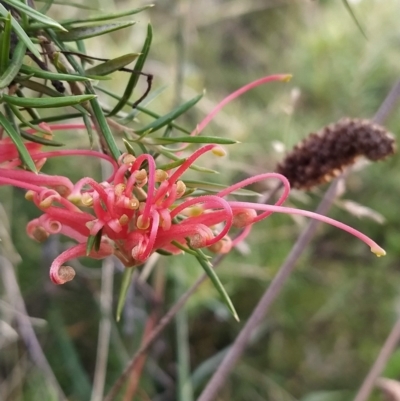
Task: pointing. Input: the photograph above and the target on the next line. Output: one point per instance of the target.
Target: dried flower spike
(323, 155)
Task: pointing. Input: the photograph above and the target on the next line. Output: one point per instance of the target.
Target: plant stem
(242, 340)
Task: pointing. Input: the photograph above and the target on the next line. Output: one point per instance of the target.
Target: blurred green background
(334, 313)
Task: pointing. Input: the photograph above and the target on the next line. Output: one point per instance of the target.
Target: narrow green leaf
(135, 76)
(70, 355)
(45, 90)
(56, 118)
(35, 15)
(38, 139)
(128, 147)
(141, 107)
(168, 118)
(16, 138)
(23, 120)
(13, 68)
(192, 139)
(353, 16)
(86, 32)
(184, 388)
(46, 102)
(106, 17)
(171, 156)
(126, 282)
(93, 242)
(217, 283)
(105, 129)
(98, 115)
(215, 188)
(110, 66)
(145, 102)
(5, 43)
(90, 244)
(46, 7)
(68, 4)
(20, 32)
(36, 72)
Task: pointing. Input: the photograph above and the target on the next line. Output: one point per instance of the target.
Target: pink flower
(140, 209)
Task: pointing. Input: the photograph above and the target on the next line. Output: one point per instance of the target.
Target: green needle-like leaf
(32, 13)
(106, 17)
(38, 139)
(126, 282)
(98, 115)
(46, 102)
(93, 242)
(46, 90)
(5, 43)
(217, 283)
(135, 74)
(113, 65)
(171, 156)
(20, 32)
(86, 32)
(64, 3)
(353, 16)
(16, 138)
(36, 72)
(13, 68)
(168, 118)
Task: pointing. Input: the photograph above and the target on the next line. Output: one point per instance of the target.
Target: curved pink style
(137, 211)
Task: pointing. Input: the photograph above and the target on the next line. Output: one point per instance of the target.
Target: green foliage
(328, 324)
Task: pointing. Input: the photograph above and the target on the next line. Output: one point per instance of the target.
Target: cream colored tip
(378, 251)
(218, 151)
(286, 78)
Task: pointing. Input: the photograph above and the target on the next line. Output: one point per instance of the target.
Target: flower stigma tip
(286, 78)
(218, 151)
(378, 251)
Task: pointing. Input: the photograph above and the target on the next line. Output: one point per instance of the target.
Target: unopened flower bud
(222, 246)
(128, 159)
(30, 195)
(244, 218)
(62, 190)
(132, 203)
(119, 189)
(124, 219)
(197, 241)
(40, 234)
(180, 189)
(141, 177)
(65, 274)
(142, 224)
(161, 175)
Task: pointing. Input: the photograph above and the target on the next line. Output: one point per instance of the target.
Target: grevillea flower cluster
(140, 209)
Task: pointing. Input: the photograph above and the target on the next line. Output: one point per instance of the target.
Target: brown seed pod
(323, 155)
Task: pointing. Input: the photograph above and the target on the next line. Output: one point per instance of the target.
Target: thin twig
(235, 352)
(137, 368)
(167, 318)
(379, 364)
(104, 329)
(243, 339)
(394, 336)
(26, 330)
